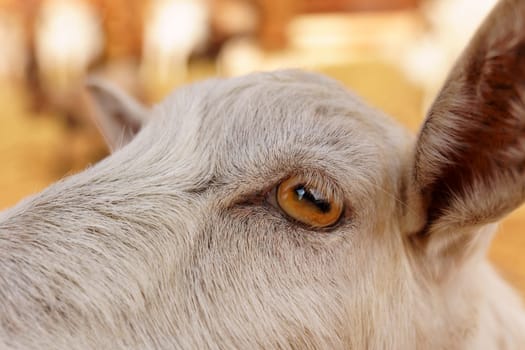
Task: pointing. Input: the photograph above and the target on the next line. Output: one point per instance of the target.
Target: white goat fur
(170, 242)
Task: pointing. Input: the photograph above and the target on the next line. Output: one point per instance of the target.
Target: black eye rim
(271, 199)
(266, 197)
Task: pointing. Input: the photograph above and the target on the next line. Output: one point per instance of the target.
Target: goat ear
(117, 115)
(469, 167)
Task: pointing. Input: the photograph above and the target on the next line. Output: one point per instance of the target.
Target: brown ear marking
(475, 131)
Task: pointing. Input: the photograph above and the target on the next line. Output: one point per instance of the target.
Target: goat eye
(308, 204)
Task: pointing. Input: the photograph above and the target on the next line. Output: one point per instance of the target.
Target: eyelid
(271, 197)
(245, 193)
(321, 182)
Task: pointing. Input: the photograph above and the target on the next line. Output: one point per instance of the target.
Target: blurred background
(394, 53)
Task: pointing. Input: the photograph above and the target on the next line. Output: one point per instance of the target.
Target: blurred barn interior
(394, 53)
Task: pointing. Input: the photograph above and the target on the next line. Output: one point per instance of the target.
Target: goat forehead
(264, 104)
(267, 119)
(269, 106)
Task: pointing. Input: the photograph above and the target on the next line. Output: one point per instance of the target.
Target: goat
(278, 211)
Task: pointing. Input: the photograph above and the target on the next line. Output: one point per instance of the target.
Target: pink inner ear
(475, 131)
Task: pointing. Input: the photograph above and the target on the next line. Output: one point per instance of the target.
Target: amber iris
(308, 204)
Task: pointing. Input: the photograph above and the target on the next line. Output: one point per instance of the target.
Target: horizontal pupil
(320, 203)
